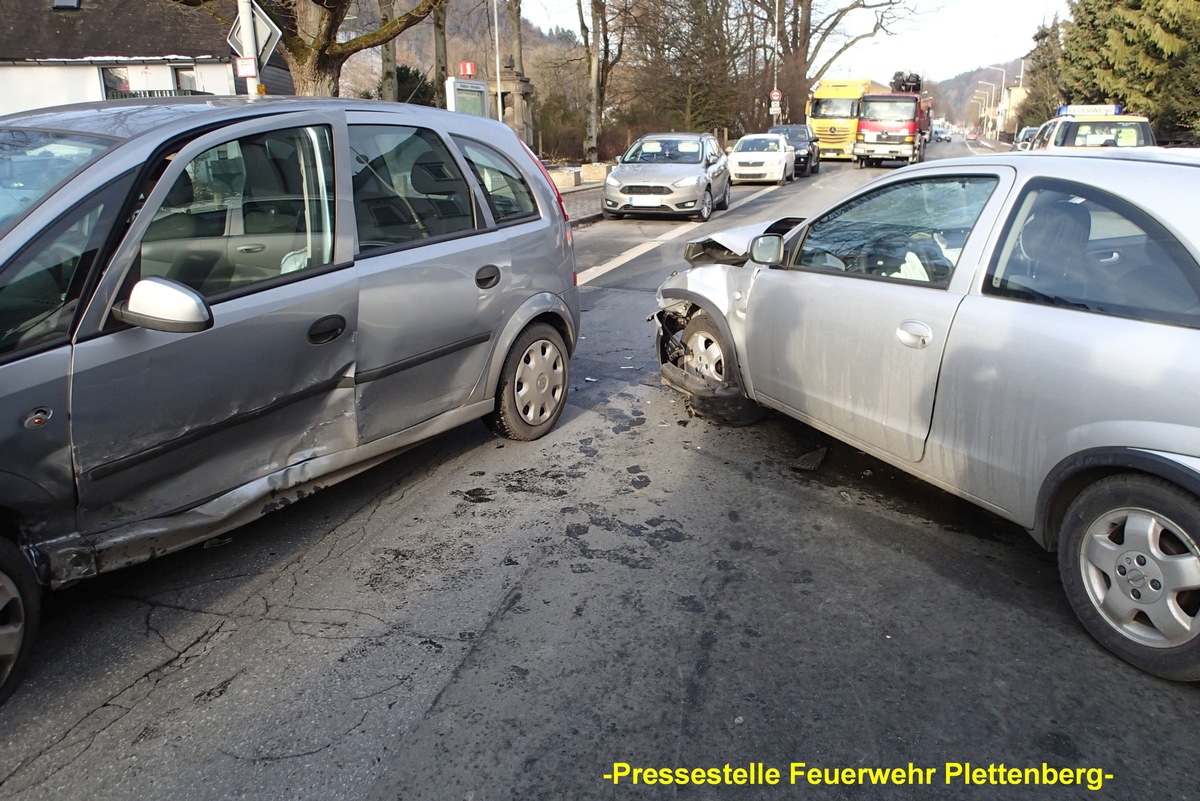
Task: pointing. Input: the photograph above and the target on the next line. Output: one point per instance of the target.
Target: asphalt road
(479, 619)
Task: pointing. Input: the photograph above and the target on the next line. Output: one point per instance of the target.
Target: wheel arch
(541, 308)
(1072, 475)
(698, 303)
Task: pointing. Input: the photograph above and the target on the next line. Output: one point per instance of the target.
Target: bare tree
(310, 40)
(604, 43)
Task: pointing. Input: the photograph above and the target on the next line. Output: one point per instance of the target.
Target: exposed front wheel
(1129, 557)
(20, 610)
(533, 385)
(705, 354)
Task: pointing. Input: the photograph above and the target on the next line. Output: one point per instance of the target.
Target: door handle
(1112, 258)
(488, 276)
(914, 334)
(251, 248)
(326, 329)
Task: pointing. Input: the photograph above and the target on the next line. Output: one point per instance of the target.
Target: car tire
(533, 385)
(1127, 544)
(704, 213)
(816, 168)
(783, 178)
(20, 612)
(808, 170)
(704, 354)
(859, 163)
(724, 203)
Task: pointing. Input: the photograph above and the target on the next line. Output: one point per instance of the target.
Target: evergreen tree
(1042, 75)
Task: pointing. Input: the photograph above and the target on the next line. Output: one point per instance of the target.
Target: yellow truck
(833, 113)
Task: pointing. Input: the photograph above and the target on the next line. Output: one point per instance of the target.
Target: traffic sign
(776, 108)
(776, 95)
(266, 35)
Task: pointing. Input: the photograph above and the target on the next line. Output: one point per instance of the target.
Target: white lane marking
(599, 270)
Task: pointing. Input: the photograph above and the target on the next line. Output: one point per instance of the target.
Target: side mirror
(161, 304)
(790, 148)
(619, 159)
(713, 159)
(816, 139)
(1022, 145)
(767, 249)
(728, 148)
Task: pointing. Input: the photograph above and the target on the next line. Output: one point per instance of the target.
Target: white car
(762, 157)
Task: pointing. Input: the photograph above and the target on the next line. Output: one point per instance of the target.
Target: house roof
(34, 30)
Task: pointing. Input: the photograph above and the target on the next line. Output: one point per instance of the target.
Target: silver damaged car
(1018, 330)
(212, 307)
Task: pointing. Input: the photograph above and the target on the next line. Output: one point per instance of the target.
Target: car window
(246, 211)
(1080, 248)
(681, 151)
(407, 186)
(40, 288)
(34, 163)
(908, 231)
(1042, 138)
(505, 187)
(1119, 133)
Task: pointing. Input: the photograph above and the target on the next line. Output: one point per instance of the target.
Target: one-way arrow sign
(266, 35)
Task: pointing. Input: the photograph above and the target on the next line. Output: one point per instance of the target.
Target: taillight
(549, 180)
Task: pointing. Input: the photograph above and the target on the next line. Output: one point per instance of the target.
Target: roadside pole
(249, 45)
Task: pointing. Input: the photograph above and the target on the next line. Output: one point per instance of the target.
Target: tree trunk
(591, 145)
(387, 52)
(316, 77)
(441, 66)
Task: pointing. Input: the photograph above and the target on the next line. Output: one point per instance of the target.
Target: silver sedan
(1019, 331)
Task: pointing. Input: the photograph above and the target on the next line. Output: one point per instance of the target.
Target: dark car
(804, 139)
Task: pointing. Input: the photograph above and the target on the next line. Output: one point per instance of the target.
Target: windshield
(673, 151)
(758, 145)
(834, 107)
(33, 163)
(877, 110)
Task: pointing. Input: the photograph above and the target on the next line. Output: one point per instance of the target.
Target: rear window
(1127, 133)
(34, 163)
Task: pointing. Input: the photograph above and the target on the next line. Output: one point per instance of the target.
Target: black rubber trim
(367, 376)
(1114, 459)
(141, 457)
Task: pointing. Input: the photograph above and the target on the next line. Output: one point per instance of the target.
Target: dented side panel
(164, 421)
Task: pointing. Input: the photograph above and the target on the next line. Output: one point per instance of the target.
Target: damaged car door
(162, 420)
(850, 337)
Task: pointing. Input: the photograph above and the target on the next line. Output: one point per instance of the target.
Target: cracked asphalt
(480, 619)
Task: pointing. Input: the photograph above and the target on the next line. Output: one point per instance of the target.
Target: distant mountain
(952, 97)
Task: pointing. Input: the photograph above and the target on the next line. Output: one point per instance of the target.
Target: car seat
(1053, 243)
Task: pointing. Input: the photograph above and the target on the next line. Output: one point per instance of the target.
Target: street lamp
(1003, 82)
(991, 98)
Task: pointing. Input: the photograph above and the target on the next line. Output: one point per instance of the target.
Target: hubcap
(540, 382)
(12, 625)
(1142, 573)
(704, 357)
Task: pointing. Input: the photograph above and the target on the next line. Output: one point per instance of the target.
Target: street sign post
(266, 33)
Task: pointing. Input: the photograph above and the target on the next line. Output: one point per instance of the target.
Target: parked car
(762, 157)
(1024, 137)
(681, 174)
(972, 136)
(1017, 331)
(940, 135)
(212, 307)
(805, 140)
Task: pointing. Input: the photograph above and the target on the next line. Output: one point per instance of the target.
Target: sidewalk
(582, 202)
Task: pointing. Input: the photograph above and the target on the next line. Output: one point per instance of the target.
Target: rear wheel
(1129, 558)
(20, 610)
(533, 385)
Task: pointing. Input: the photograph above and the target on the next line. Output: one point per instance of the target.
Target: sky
(944, 39)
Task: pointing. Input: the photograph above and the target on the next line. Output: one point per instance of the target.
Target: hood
(732, 245)
(654, 173)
